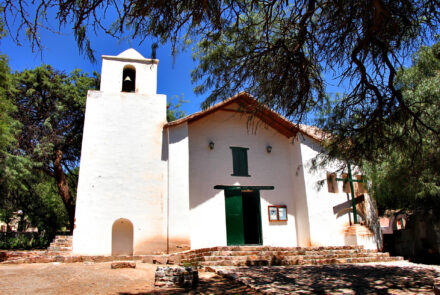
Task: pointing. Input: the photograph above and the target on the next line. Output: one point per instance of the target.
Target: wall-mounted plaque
(273, 213)
(277, 213)
(282, 213)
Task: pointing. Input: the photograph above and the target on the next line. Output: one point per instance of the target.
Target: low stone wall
(176, 276)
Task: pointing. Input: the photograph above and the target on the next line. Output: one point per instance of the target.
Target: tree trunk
(63, 188)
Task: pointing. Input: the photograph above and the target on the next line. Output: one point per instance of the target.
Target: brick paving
(383, 278)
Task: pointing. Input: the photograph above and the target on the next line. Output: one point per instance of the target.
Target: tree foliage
(278, 51)
(50, 108)
(41, 112)
(7, 123)
(174, 110)
(408, 174)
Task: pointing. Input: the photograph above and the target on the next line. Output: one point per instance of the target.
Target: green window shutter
(239, 161)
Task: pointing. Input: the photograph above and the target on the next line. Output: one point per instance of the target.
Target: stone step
(345, 252)
(64, 237)
(61, 244)
(314, 254)
(59, 248)
(287, 257)
(64, 241)
(283, 257)
(216, 256)
(58, 244)
(290, 252)
(270, 248)
(332, 260)
(299, 261)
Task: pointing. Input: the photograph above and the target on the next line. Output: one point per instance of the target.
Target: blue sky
(61, 52)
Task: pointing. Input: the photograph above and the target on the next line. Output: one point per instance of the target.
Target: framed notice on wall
(273, 213)
(277, 213)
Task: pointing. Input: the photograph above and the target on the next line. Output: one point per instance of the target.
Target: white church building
(213, 178)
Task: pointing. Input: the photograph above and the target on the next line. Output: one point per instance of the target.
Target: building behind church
(213, 178)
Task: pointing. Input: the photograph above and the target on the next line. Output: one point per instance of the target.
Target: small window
(346, 184)
(277, 213)
(128, 79)
(239, 161)
(332, 184)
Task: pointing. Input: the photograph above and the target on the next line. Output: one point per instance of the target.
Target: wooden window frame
(235, 170)
(278, 213)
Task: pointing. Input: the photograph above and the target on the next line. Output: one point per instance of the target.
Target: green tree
(22, 189)
(8, 131)
(7, 123)
(278, 51)
(408, 175)
(174, 110)
(50, 108)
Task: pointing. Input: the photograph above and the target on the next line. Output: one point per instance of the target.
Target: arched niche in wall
(129, 79)
(122, 237)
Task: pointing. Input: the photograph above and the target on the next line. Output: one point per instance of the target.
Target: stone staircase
(60, 251)
(61, 245)
(266, 256)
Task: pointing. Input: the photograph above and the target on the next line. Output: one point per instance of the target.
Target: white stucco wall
(121, 172)
(208, 168)
(326, 228)
(178, 188)
(123, 166)
(299, 194)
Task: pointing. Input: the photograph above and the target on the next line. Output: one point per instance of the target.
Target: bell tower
(119, 206)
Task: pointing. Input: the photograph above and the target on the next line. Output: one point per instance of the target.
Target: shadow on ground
(212, 285)
(334, 279)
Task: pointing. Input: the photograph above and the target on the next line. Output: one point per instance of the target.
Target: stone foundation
(176, 276)
(359, 235)
(123, 264)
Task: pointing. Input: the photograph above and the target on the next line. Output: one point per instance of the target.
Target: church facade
(213, 178)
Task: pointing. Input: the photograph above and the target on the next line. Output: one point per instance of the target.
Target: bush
(24, 240)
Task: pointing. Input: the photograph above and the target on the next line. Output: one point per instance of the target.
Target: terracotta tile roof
(268, 116)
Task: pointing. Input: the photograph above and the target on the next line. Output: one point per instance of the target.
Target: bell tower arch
(129, 79)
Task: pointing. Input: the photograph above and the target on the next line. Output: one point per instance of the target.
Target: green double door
(243, 217)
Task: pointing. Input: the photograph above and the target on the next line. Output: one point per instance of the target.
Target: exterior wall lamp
(211, 145)
(269, 149)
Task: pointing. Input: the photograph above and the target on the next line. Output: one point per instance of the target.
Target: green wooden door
(234, 217)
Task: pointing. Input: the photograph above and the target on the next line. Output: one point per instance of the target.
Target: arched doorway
(122, 237)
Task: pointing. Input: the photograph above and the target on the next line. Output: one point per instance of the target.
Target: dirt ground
(99, 278)
(400, 277)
